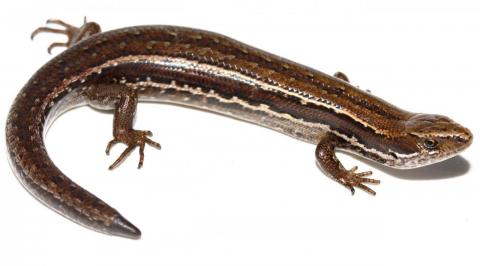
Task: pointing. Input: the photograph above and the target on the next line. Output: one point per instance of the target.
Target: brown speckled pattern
(114, 70)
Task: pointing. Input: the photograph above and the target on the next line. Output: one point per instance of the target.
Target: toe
(365, 188)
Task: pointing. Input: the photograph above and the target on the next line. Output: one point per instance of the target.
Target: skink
(115, 70)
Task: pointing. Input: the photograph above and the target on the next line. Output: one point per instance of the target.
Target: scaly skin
(117, 69)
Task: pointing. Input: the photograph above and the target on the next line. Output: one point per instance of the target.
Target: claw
(142, 155)
(56, 44)
(351, 189)
(46, 29)
(110, 145)
(59, 22)
(148, 133)
(367, 173)
(367, 189)
(153, 143)
(122, 157)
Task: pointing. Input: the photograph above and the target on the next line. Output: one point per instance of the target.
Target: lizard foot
(74, 34)
(132, 139)
(351, 179)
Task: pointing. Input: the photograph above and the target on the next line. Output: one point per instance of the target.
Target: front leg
(328, 161)
(124, 101)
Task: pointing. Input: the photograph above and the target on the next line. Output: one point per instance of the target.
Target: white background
(224, 192)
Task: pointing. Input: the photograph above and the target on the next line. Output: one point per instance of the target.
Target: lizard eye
(430, 143)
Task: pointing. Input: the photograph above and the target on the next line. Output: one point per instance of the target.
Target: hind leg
(123, 101)
(74, 34)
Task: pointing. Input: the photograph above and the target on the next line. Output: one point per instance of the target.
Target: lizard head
(435, 138)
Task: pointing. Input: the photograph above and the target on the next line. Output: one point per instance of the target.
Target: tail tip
(122, 227)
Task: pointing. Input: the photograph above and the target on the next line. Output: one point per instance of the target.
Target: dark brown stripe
(228, 88)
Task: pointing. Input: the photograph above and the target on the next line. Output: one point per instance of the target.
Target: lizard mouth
(429, 158)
